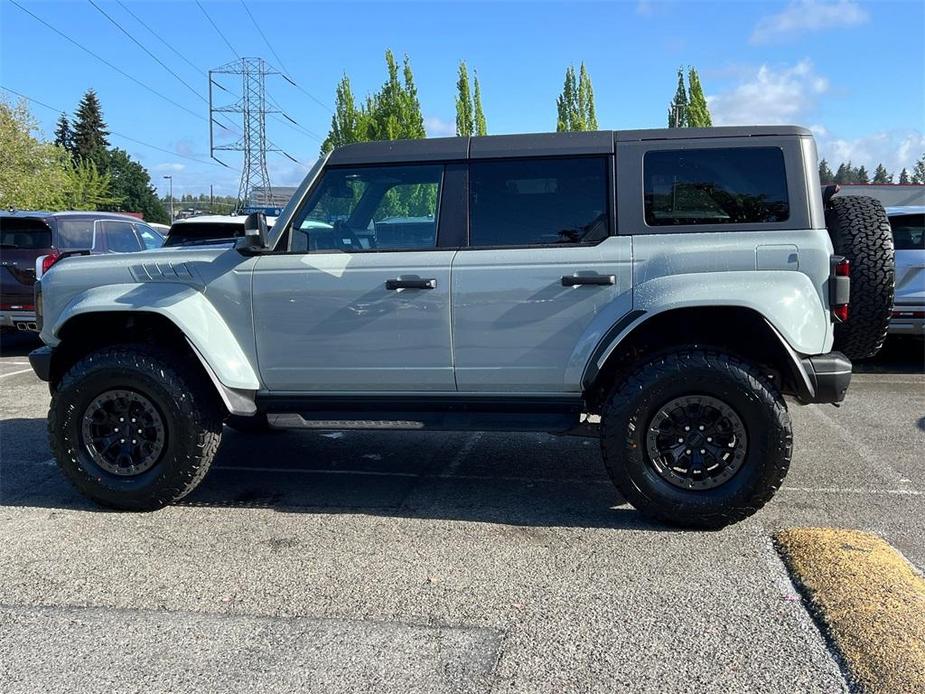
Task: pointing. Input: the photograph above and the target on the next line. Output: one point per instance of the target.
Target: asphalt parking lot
(434, 562)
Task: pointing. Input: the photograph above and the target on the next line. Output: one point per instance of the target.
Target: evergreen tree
(861, 176)
(64, 136)
(346, 122)
(904, 177)
(881, 175)
(566, 103)
(678, 109)
(90, 133)
(481, 126)
(464, 116)
(918, 171)
(825, 173)
(132, 189)
(698, 113)
(845, 174)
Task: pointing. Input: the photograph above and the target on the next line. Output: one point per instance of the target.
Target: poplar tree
(464, 116)
(346, 121)
(825, 173)
(565, 103)
(575, 110)
(881, 175)
(90, 133)
(678, 109)
(481, 126)
(698, 113)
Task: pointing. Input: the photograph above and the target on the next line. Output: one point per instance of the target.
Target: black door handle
(575, 280)
(411, 284)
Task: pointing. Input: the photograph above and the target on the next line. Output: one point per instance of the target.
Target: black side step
(422, 412)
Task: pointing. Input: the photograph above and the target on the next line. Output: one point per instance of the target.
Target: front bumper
(828, 375)
(40, 360)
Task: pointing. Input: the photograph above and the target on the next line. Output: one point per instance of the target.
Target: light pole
(170, 178)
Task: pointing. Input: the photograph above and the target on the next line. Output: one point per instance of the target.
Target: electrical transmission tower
(253, 141)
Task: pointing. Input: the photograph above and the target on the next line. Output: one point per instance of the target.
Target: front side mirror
(255, 233)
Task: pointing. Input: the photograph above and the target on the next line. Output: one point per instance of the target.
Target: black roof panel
(534, 145)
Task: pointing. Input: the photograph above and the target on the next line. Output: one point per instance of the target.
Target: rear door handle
(411, 284)
(600, 280)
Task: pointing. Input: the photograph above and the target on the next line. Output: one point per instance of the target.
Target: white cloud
(894, 149)
(170, 166)
(802, 16)
(437, 127)
(770, 96)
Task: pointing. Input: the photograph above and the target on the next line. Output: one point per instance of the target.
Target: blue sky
(853, 71)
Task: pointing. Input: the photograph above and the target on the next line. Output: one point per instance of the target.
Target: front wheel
(133, 427)
(696, 438)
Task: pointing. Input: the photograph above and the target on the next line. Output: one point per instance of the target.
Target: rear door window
(120, 237)
(74, 234)
(742, 185)
(532, 202)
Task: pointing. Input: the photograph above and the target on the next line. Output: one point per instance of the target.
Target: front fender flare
(188, 309)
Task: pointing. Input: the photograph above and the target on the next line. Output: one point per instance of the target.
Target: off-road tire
(860, 231)
(189, 409)
(257, 424)
(633, 403)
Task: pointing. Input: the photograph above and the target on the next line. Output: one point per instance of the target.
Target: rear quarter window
(736, 185)
(74, 234)
(908, 232)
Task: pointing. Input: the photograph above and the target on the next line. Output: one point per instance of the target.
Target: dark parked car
(27, 236)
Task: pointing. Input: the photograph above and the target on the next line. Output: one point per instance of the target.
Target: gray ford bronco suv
(677, 284)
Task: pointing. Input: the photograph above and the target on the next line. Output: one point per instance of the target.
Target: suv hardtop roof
(536, 144)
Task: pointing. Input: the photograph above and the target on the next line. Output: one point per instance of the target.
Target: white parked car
(207, 229)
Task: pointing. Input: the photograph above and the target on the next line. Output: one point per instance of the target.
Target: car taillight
(49, 260)
(840, 287)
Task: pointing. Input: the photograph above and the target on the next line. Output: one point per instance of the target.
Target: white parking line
(15, 373)
(838, 490)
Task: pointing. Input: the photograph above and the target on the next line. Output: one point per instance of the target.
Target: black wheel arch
(754, 339)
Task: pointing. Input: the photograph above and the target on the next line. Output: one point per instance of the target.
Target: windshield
(203, 232)
(24, 234)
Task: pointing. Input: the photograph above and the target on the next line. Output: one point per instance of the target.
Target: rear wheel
(133, 427)
(860, 231)
(696, 438)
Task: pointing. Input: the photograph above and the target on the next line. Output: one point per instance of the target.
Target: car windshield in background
(908, 232)
(745, 185)
(24, 234)
(203, 232)
(75, 234)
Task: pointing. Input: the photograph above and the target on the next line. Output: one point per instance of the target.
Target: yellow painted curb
(870, 601)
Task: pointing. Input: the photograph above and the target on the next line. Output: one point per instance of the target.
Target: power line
(107, 63)
(160, 38)
(218, 31)
(113, 132)
(145, 49)
(285, 72)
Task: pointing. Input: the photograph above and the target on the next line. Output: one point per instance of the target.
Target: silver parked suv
(677, 283)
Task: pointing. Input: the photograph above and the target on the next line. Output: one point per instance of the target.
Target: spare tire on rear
(860, 231)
